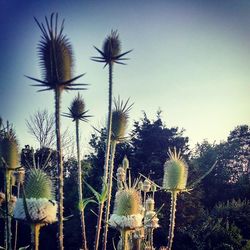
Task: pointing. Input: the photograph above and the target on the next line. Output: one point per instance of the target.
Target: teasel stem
(60, 181)
(80, 191)
(172, 219)
(107, 155)
(124, 234)
(7, 240)
(16, 223)
(151, 237)
(110, 184)
(35, 232)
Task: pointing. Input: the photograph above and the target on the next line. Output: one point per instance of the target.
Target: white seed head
(146, 185)
(150, 204)
(126, 222)
(39, 209)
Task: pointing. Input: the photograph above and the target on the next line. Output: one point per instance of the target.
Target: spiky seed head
(153, 187)
(120, 119)
(9, 151)
(121, 175)
(140, 185)
(120, 169)
(150, 204)
(119, 125)
(175, 172)
(111, 46)
(56, 60)
(146, 185)
(40, 210)
(55, 53)
(125, 163)
(39, 185)
(111, 50)
(127, 202)
(77, 107)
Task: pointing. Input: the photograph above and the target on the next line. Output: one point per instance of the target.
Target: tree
(41, 126)
(56, 60)
(150, 141)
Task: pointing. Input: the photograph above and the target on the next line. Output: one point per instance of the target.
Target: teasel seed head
(125, 163)
(111, 50)
(150, 204)
(121, 175)
(120, 119)
(127, 202)
(77, 110)
(140, 185)
(39, 185)
(9, 156)
(175, 172)
(146, 185)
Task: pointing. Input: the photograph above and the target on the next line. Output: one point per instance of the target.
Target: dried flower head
(56, 57)
(77, 110)
(120, 119)
(40, 210)
(127, 202)
(175, 172)
(39, 185)
(111, 50)
(38, 204)
(150, 204)
(146, 185)
(9, 155)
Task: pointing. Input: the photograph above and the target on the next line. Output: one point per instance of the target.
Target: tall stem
(59, 168)
(35, 232)
(80, 191)
(16, 224)
(7, 216)
(172, 219)
(110, 184)
(124, 234)
(107, 154)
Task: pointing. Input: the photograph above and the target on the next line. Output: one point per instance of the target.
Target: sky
(190, 59)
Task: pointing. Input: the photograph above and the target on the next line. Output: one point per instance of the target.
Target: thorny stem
(107, 154)
(16, 224)
(35, 232)
(60, 182)
(80, 192)
(124, 234)
(172, 219)
(7, 240)
(110, 184)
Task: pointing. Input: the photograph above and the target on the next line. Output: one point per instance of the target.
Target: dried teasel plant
(56, 60)
(109, 55)
(120, 118)
(37, 207)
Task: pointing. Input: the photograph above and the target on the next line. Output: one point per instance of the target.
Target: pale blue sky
(190, 58)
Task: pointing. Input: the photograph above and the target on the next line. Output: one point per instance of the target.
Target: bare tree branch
(41, 126)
